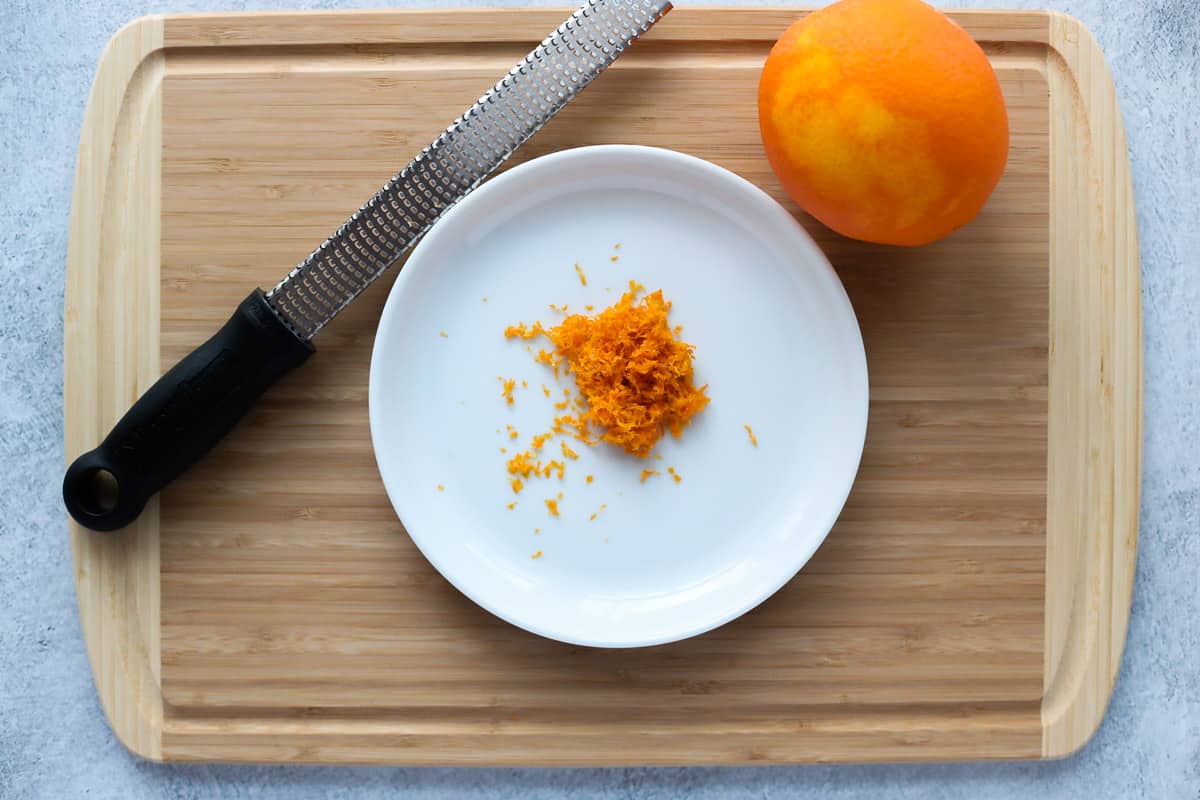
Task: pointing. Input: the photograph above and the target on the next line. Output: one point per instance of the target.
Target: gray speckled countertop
(54, 741)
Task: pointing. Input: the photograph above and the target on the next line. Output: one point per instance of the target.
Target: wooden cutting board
(971, 603)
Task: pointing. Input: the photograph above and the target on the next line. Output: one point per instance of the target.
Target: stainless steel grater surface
(201, 398)
(458, 161)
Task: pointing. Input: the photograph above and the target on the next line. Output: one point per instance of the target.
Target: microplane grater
(197, 401)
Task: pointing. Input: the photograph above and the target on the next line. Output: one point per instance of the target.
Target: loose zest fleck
(512, 505)
(443, 334)
(568, 452)
(582, 277)
(552, 506)
(536, 555)
(517, 485)
(615, 259)
(589, 478)
(675, 476)
(750, 433)
(509, 385)
(646, 473)
(441, 488)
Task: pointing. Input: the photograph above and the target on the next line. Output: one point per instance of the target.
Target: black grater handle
(182, 416)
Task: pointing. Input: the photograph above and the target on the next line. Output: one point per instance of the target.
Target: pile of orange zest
(579, 272)
(633, 374)
(635, 383)
(509, 385)
(750, 433)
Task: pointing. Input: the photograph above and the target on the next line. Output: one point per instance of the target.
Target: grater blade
(478, 142)
(179, 418)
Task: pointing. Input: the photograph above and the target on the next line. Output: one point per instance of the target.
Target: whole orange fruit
(884, 120)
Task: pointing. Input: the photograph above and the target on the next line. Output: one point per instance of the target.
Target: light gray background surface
(54, 741)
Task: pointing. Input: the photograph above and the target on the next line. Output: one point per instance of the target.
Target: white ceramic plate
(776, 341)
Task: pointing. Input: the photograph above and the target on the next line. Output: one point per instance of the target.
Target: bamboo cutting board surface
(970, 603)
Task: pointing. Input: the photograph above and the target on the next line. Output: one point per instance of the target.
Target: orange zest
(507, 392)
(635, 376)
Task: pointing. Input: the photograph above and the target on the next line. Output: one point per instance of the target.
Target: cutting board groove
(971, 602)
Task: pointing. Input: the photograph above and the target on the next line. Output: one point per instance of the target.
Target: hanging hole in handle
(100, 492)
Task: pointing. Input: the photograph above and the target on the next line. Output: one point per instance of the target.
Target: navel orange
(884, 120)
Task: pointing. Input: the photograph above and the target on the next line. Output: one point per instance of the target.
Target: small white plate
(776, 341)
